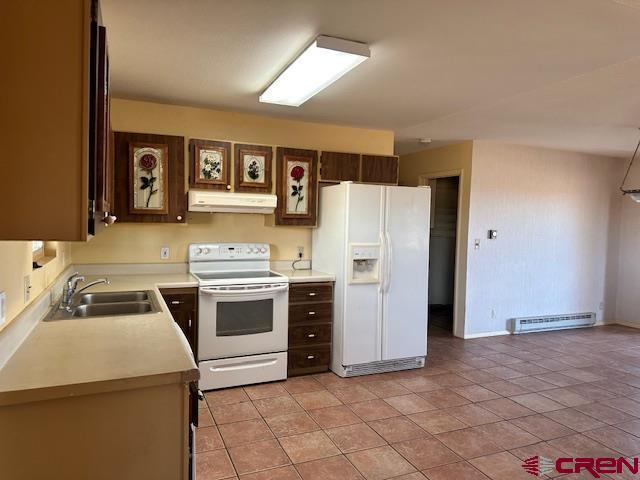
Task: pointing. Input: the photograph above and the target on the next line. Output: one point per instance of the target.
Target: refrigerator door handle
(388, 257)
(382, 261)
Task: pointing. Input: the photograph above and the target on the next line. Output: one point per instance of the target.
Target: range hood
(212, 201)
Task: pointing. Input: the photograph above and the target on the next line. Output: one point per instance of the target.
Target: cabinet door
(183, 305)
(379, 169)
(45, 114)
(296, 185)
(104, 159)
(176, 200)
(339, 167)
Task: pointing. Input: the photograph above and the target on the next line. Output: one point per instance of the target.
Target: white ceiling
(555, 73)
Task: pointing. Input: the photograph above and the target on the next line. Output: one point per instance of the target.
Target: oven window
(244, 318)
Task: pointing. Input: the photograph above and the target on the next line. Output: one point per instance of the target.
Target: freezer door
(362, 322)
(404, 326)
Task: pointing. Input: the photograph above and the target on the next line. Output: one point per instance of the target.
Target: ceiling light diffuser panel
(322, 63)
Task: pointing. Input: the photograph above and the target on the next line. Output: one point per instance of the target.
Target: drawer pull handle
(311, 313)
(310, 357)
(312, 294)
(312, 335)
(175, 302)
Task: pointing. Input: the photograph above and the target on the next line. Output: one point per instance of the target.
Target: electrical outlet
(601, 306)
(27, 288)
(3, 307)
(164, 253)
(476, 244)
(300, 252)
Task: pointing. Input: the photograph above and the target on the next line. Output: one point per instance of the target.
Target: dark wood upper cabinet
(296, 187)
(379, 169)
(339, 167)
(176, 205)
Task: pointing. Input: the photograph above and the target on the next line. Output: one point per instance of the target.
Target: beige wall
(557, 217)
(15, 262)
(127, 243)
(447, 161)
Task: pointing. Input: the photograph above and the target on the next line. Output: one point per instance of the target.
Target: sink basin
(113, 297)
(112, 309)
(108, 304)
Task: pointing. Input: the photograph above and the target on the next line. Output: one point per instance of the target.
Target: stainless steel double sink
(108, 304)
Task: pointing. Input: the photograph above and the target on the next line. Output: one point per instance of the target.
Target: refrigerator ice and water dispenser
(364, 260)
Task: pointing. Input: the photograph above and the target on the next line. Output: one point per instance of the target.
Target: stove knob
(198, 251)
(255, 250)
(263, 250)
(206, 251)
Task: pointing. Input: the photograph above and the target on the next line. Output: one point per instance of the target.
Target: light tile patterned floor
(475, 411)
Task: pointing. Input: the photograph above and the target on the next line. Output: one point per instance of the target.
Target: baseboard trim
(486, 334)
(625, 324)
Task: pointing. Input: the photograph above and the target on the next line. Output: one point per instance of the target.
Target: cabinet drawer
(304, 358)
(310, 312)
(310, 292)
(309, 334)
(180, 300)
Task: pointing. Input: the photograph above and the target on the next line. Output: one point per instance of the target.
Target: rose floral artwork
(297, 187)
(149, 178)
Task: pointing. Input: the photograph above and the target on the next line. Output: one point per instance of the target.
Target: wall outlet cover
(300, 252)
(165, 253)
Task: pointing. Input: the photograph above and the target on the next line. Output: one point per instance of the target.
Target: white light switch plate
(3, 307)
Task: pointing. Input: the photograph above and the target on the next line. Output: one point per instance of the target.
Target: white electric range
(242, 315)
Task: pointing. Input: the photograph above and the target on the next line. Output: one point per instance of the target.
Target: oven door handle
(222, 291)
(243, 366)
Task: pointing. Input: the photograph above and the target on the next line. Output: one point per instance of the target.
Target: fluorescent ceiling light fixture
(322, 63)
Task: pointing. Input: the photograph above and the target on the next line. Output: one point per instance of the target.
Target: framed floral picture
(296, 186)
(148, 169)
(209, 165)
(252, 165)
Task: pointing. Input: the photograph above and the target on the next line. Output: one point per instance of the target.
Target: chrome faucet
(70, 289)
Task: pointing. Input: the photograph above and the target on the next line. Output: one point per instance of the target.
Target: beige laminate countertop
(77, 357)
(306, 276)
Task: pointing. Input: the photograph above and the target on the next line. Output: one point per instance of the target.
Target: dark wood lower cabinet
(310, 327)
(183, 305)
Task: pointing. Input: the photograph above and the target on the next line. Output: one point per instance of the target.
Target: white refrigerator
(375, 240)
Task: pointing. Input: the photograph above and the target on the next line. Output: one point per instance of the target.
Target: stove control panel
(200, 252)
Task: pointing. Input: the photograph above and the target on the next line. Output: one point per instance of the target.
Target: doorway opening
(442, 256)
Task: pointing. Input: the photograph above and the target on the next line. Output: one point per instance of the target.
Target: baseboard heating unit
(552, 322)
